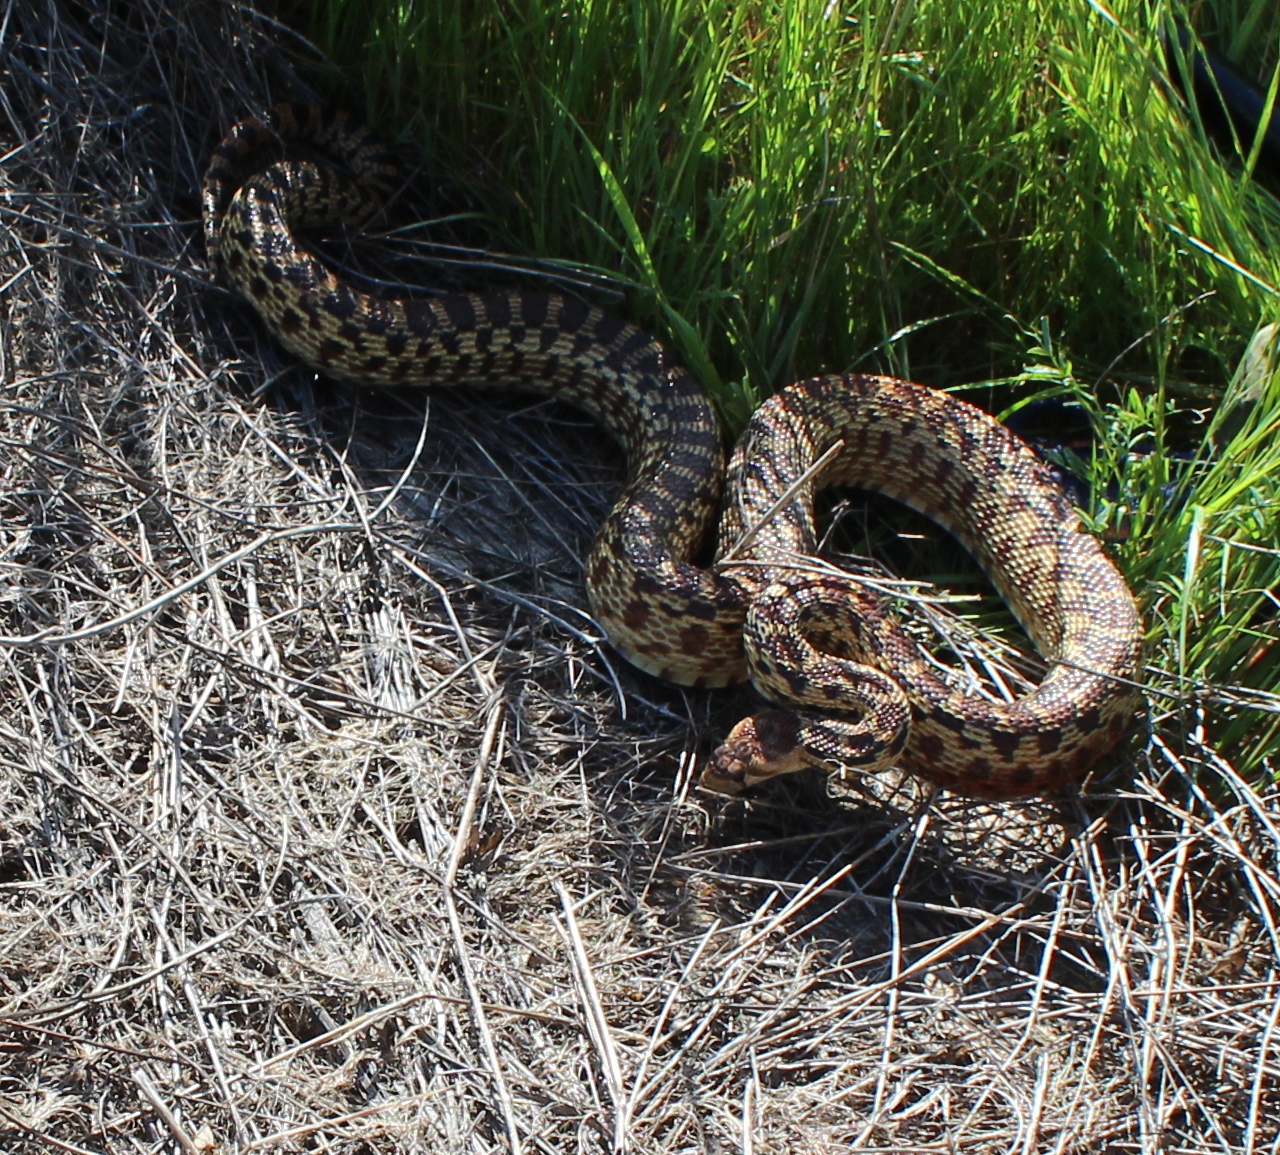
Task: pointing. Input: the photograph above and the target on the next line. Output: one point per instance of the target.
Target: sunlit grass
(1005, 197)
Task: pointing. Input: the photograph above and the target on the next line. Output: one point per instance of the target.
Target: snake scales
(867, 694)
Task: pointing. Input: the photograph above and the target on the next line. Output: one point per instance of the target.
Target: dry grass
(326, 826)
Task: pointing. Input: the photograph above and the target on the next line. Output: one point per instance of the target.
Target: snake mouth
(736, 765)
(724, 774)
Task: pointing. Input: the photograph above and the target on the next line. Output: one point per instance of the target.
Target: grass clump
(814, 186)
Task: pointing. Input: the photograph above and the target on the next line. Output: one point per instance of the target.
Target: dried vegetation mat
(327, 825)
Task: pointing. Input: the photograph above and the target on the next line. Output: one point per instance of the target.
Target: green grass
(1002, 197)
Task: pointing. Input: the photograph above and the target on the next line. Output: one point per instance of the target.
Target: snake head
(757, 749)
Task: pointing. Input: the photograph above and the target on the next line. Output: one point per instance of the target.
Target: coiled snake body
(972, 475)
(812, 640)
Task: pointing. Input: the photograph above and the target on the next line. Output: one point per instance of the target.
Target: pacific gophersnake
(665, 613)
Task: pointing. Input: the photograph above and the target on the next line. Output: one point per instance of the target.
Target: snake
(848, 686)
